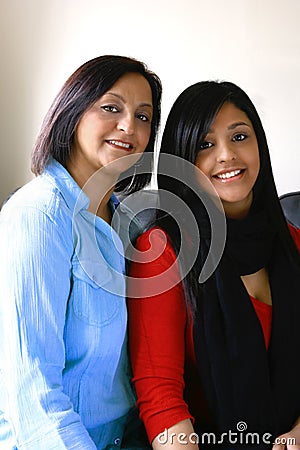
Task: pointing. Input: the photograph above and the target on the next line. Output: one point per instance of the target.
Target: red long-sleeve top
(161, 338)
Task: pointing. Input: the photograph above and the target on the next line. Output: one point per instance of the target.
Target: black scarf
(242, 381)
(249, 241)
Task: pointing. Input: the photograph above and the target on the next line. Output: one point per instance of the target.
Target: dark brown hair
(82, 89)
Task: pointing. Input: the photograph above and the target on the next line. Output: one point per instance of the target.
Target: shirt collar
(73, 195)
(78, 201)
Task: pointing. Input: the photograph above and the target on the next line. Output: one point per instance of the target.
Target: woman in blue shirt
(64, 372)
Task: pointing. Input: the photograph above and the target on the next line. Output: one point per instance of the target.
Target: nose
(225, 153)
(127, 123)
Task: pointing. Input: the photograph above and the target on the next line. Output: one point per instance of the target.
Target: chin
(124, 163)
(236, 206)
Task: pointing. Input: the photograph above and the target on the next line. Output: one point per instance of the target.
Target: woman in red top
(213, 309)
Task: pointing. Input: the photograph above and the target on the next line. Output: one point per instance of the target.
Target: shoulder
(154, 239)
(36, 210)
(38, 195)
(295, 233)
(156, 264)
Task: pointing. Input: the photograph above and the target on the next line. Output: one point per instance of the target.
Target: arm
(34, 287)
(157, 327)
(177, 437)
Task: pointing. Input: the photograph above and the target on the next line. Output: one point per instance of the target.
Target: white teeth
(225, 176)
(120, 144)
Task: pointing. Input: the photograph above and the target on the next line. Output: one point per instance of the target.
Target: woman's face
(118, 124)
(229, 157)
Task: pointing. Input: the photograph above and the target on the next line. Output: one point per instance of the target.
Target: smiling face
(117, 124)
(229, 157)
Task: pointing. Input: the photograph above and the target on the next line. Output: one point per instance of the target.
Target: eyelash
(238, 135)
(114, 109)
(143, 117)
(205, 145)
(109, 108)
(236, 138)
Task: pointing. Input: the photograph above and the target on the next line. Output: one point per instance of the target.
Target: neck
(99, 192)
(98, 187)
(238, 210)
(104, 211)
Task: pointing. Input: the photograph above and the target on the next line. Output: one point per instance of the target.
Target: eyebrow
(232, 126)
(123, 99)
(237, 124)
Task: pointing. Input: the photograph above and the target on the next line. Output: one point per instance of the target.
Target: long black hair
(81, 90)
(188, 123)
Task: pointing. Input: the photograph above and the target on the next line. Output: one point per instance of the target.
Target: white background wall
(254, 43)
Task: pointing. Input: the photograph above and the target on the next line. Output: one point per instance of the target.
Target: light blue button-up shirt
(64, 374)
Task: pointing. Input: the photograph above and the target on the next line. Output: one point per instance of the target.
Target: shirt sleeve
(295, 232)
(157, 327)
(34, 290)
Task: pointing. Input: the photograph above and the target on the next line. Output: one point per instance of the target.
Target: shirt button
(117, 441)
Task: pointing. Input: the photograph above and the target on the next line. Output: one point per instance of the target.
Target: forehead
(229, 113)
(132, 85)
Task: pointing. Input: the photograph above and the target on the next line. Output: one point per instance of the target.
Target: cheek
(144, 136)
(91, 124)
(202, 163)
(84, 130)
(255, 164)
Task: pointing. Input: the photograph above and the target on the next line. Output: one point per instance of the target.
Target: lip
(229, 175)
(120, 144)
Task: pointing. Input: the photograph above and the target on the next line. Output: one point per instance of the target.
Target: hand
(179, 437)
(290, 440)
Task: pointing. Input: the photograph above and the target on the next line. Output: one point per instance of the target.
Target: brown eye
(143, 117)
(239, 137)
(110, 108)
(205, 145)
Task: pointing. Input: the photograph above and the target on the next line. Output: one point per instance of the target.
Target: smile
(125, 145)
(228, 175)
